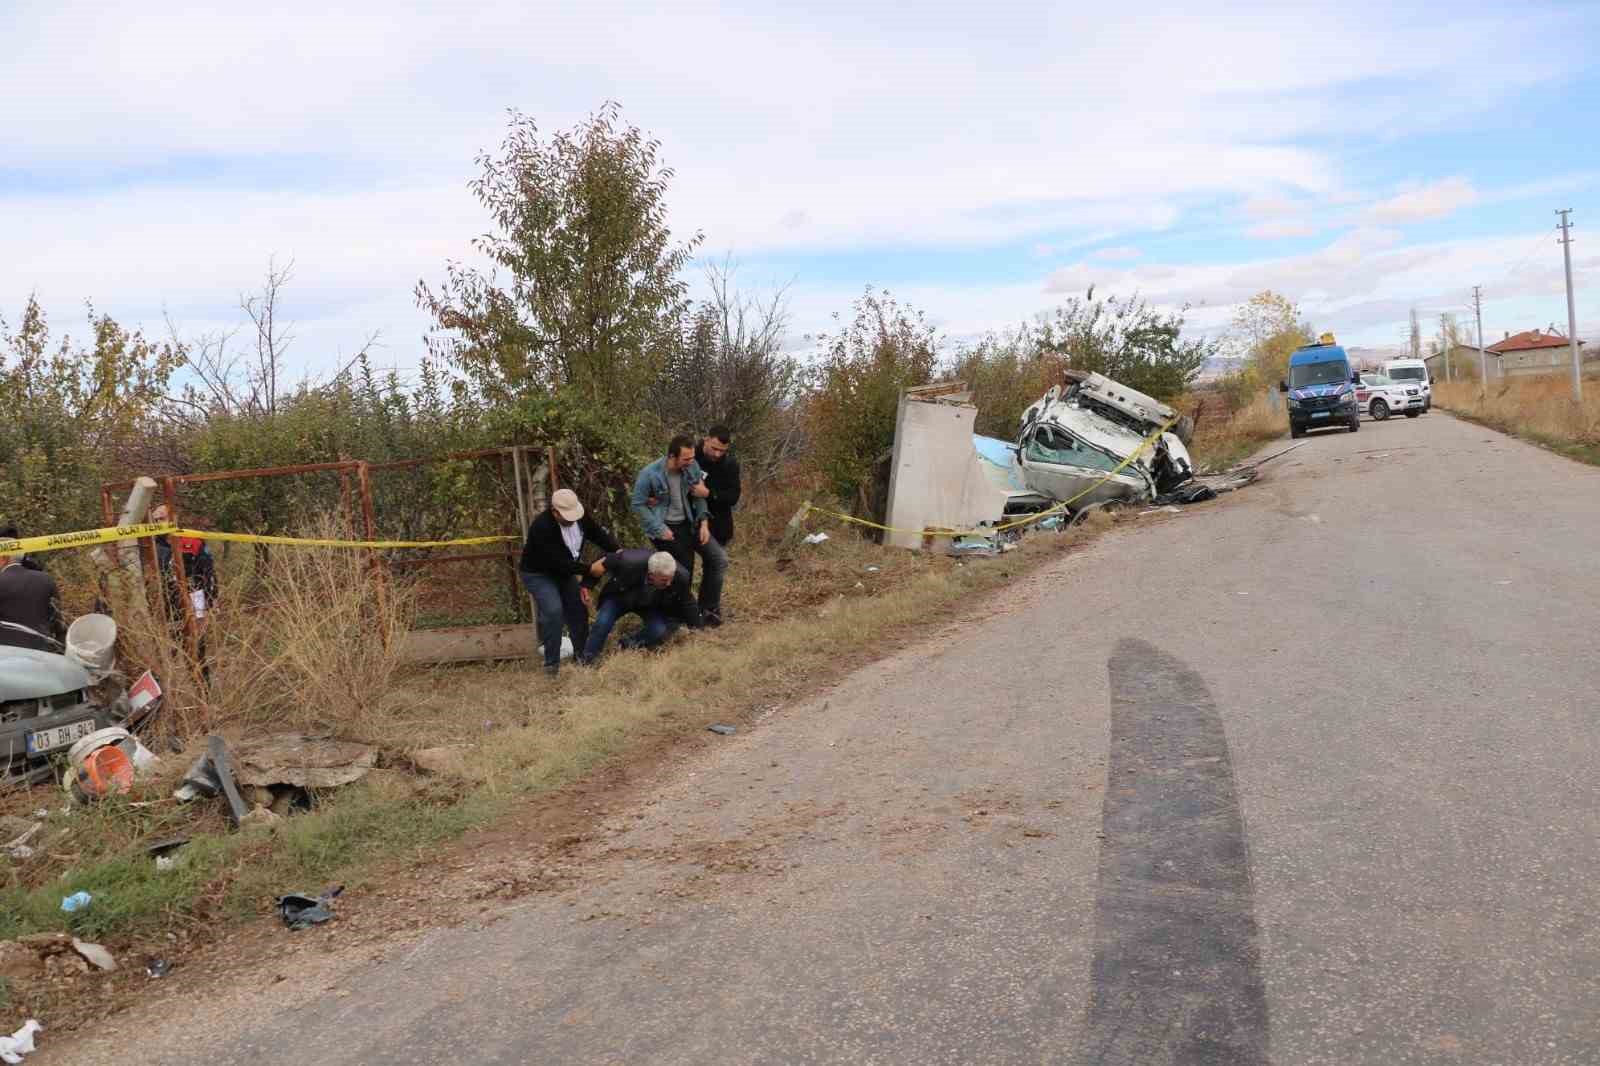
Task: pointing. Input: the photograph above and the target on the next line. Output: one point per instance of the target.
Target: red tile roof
(1530, 340)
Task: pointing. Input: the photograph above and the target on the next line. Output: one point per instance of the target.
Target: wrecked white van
(1076, 435)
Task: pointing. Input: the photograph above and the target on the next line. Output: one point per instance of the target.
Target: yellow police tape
(1026, 519)
(90, 537)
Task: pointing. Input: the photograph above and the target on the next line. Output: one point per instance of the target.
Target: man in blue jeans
(650, 584)
(669, 499)
(551, 568)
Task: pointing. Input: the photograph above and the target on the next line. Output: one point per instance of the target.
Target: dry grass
(317, 648)
(1537, 409)
(1220, 442)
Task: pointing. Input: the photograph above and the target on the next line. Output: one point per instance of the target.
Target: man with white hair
(552, 563)
(648, 583)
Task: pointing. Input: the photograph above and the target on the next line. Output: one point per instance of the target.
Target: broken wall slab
(937, 478)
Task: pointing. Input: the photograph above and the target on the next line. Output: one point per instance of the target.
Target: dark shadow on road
(1177, 969)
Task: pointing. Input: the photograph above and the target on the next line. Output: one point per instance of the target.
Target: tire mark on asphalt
(1177, 969)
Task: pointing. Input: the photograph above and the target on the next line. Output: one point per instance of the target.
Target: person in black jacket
(551, 567)
(28, 597)
(722, 477)
(648, 583)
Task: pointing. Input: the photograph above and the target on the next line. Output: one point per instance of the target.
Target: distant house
(1534, 352)
(1463, 363)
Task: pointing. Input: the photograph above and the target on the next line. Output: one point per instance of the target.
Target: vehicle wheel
(1380, 410)
(1355, 423)
(1295, 432)
(1412, 414)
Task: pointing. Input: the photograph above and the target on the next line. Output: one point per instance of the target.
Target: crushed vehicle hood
(26, 674)
(1113, 420)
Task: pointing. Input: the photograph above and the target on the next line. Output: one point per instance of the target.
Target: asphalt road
(1302, 776)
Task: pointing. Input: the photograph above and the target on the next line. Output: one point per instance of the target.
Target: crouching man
(650, 584)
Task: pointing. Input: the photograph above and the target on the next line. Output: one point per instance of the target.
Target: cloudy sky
(981, 162)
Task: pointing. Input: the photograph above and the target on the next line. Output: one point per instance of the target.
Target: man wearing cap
(552, 567)
(28, 598)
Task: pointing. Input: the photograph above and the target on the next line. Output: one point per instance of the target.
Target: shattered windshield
(1324, 373)
(1408, 373)
(1050, 444)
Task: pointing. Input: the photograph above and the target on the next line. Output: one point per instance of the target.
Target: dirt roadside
(543, 846)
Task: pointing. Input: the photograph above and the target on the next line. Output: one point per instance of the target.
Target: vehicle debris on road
(19, 1043)
(300, 911)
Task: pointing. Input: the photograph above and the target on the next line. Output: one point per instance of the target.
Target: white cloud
(1435, 200)
(1289, 227)
(1119, 252)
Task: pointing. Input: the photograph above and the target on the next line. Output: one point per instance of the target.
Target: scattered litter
(144, 692)
(723, 730)
(1502, 582)
(18, 831)
(166, 844)
(872, 569)
(200, 780)
(165, 862)
(157, 968)
(1242, 594)
(104, 771)
(42, 812)
(1384, 455)
(816, 538)
(76, 902)
(19, 1043)
(302, 912)
(1055, 521)
(1162, 510)
(973, 545)
(99, 956)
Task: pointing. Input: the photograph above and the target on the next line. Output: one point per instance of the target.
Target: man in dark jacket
(551, 567)
(722, 478)
(28, 597)
(651, 584)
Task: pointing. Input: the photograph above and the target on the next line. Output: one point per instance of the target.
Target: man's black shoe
(710, 619)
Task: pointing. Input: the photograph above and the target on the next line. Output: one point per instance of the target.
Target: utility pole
(1483, 357)
(1572, 312)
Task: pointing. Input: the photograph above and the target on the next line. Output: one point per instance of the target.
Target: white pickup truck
(1380, 397)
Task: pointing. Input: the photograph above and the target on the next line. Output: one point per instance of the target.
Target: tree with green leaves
(884, 348)
(69, 409)
(593, 293)
(1125, 339)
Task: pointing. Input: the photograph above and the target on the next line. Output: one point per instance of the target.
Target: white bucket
(92, 644)
(141, 757)
(98, 739)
